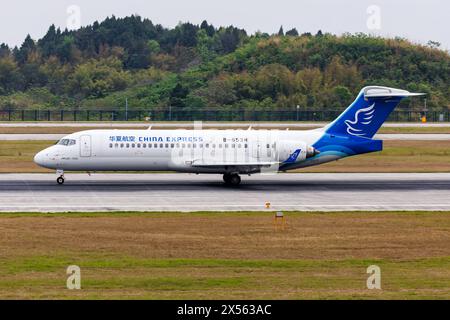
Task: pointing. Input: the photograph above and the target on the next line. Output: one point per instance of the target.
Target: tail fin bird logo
(362, 117)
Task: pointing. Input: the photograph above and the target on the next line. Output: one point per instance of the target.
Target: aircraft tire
(235, 180)
(226, 178)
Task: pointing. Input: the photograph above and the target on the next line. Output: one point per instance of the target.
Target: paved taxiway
(186, 192)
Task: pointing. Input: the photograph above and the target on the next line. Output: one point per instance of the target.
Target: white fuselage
(229, 152)
(196, 151)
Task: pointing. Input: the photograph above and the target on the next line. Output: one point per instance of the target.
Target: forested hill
(194, 67)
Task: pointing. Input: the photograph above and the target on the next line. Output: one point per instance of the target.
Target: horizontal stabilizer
(381, 92)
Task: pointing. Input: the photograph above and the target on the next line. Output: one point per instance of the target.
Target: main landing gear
(60, 179)
(232, 179)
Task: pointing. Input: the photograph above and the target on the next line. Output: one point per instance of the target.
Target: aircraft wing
(222, 164)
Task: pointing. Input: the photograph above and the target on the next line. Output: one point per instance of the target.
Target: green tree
(27, 47)
(342, 94)
(153, 47)
(10, 77)
(178, 95)
(97, 78)
(293, 32)
(281, 31)
(209, 29)
(273, 80)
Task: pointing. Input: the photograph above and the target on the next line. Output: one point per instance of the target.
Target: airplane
(230, 153)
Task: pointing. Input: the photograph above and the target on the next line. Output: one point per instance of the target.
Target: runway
(186, 192)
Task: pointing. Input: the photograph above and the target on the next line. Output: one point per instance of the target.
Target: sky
(416, 20)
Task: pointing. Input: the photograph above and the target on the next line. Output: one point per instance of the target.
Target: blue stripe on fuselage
(338, 147)
(349, 145)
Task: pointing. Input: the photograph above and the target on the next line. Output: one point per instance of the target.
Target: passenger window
(116, 145)
(220, 146)
(189, 145)
(201, 145)
(155, 145)
(128, 145)
(172, 146)
(138, 145)
(207, 145)
(246, 146)
(183, 146)
(178, 145)
(214, 146)
(133, 145)
(226, 145)
(110, 145)
(144, 145)
(167, 146)
(233, 146)
(239, 145)
(268, 146)
(194, 146)
(161, 145)
(121, 145)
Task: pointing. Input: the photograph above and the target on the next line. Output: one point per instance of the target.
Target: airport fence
(204, 115)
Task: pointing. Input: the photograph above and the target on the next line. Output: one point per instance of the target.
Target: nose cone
(41, 159)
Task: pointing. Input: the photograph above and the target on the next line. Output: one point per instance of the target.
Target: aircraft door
(209, 150)
(257, 147)
(262, 145)
(85, 146)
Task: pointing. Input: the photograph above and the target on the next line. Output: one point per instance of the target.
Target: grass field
(68, 130)
(398, 156)
(225, 255)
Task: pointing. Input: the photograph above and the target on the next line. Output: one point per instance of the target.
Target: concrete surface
(186, 192)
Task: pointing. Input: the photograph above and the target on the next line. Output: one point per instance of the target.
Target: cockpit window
(67, 142)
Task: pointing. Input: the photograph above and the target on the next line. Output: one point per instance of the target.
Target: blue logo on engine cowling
(293, 157)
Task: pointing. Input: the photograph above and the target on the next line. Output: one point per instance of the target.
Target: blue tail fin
(368, 112)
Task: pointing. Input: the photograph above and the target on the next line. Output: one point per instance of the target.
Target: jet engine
(295, 151)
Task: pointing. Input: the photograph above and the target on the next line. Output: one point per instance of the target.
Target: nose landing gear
(60, 179)
(232, 179)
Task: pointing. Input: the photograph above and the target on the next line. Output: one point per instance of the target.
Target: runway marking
(237, 205)
(181, 193)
